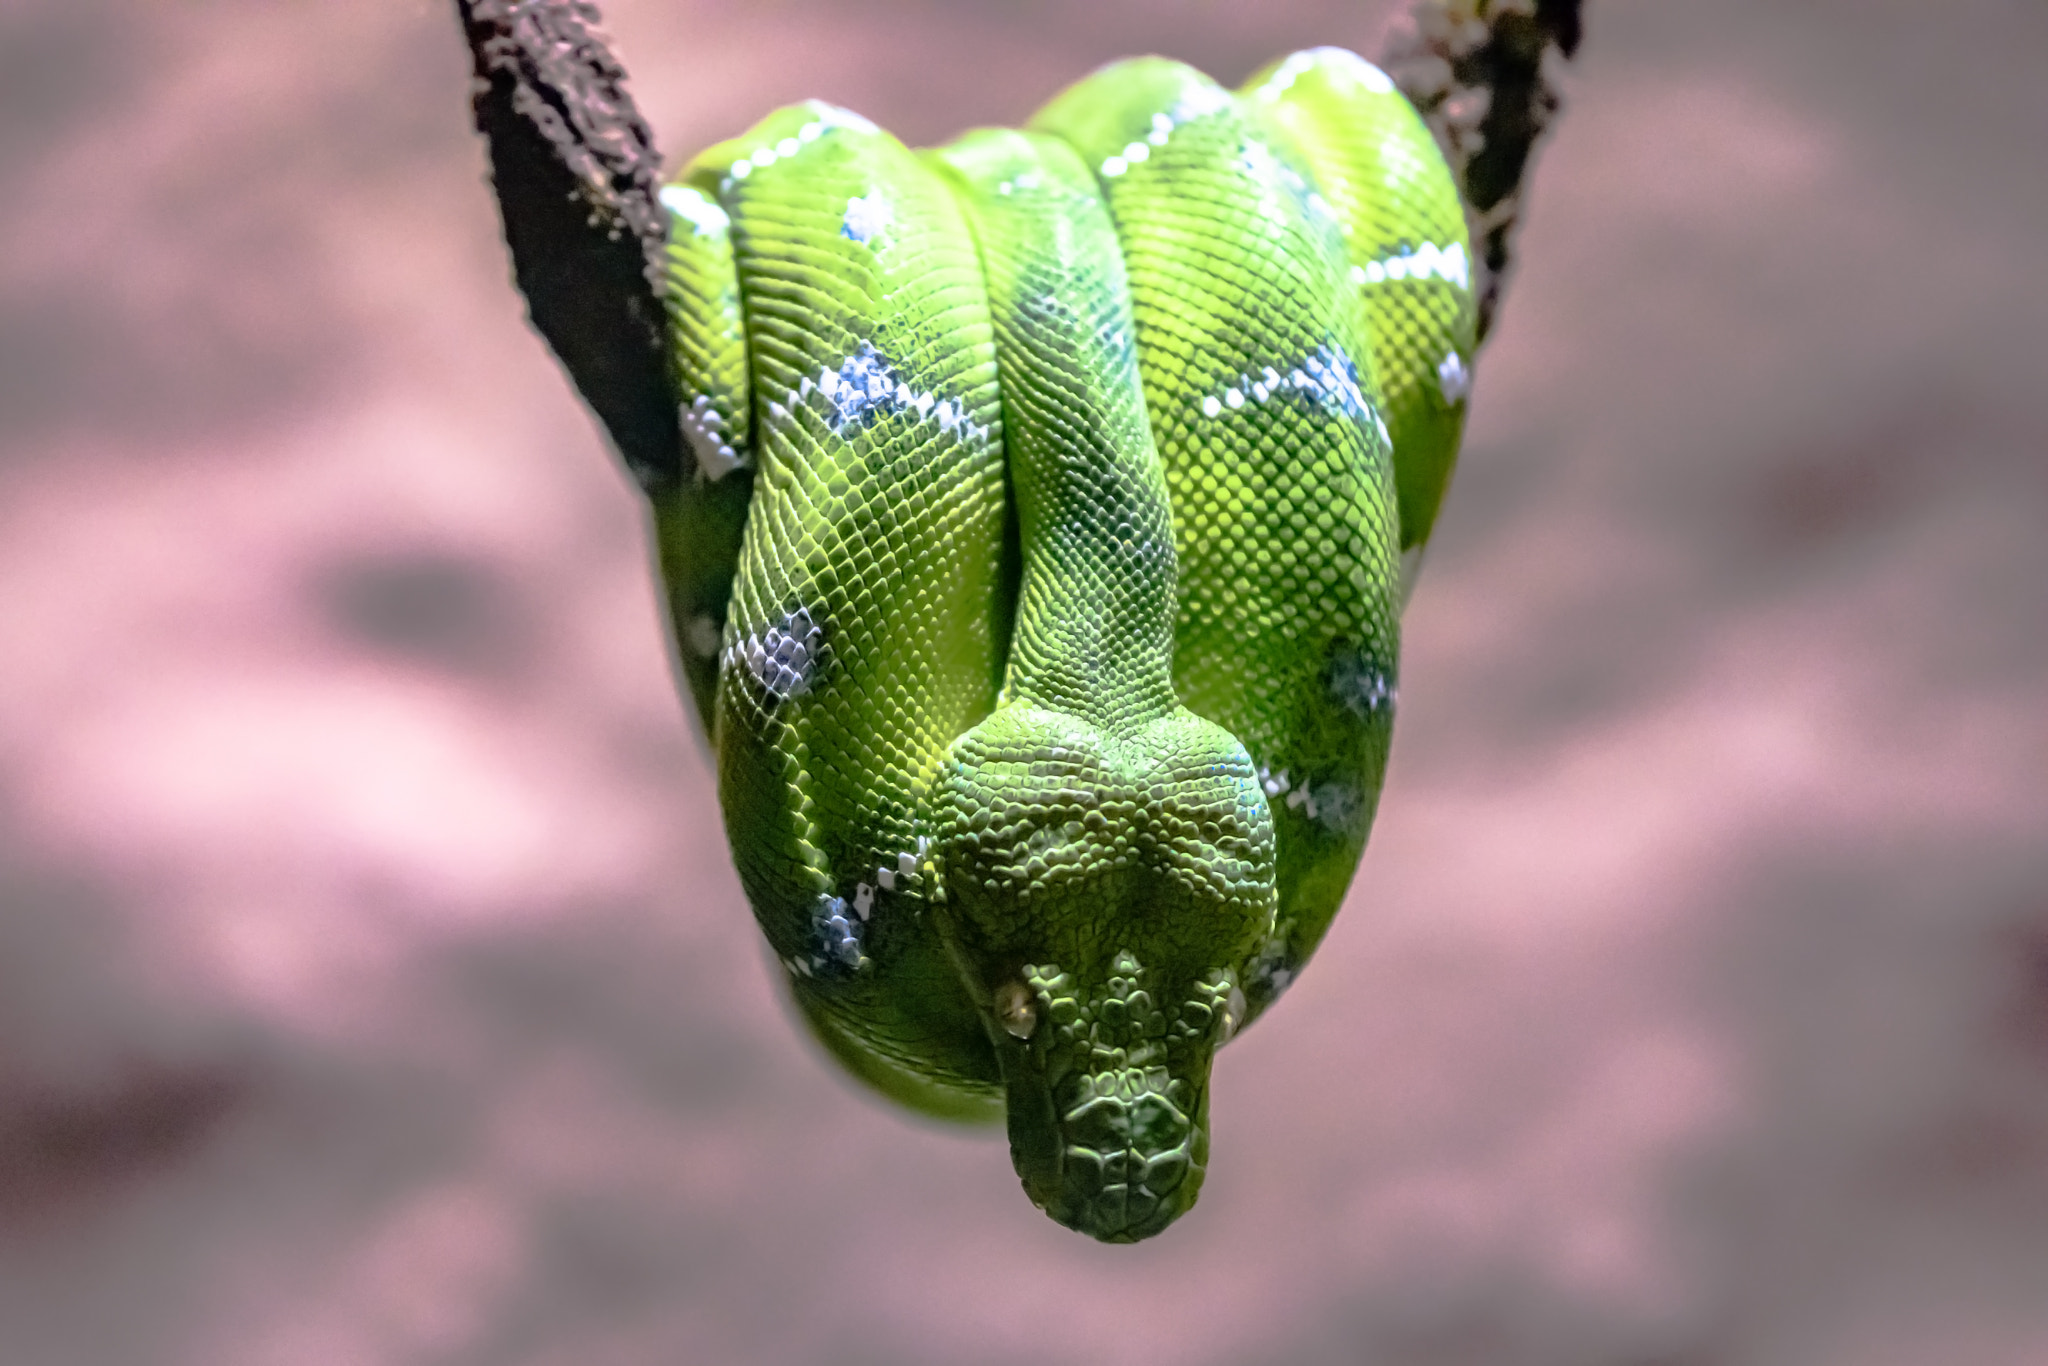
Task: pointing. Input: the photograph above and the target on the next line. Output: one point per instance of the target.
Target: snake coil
(1039, 581)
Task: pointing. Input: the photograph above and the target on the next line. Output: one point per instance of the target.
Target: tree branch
(576, 174)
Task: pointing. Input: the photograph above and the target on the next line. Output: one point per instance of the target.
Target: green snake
(1039, 582)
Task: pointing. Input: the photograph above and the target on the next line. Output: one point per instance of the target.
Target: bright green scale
(1039, 582)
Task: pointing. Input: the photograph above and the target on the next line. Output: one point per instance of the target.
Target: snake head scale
(1100, 896)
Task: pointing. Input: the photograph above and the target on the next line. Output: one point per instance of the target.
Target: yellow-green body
(1039, 581)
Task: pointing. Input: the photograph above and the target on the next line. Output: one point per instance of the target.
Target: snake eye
(1233, 1016)
(1016, 1010)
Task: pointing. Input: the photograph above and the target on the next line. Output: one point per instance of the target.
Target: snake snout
(1108, 1094)
(1132, 1146)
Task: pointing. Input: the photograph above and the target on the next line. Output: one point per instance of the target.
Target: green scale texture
(1404, 227)
(1039, 580)
(1106, 853)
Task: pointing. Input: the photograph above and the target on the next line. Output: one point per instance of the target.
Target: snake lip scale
(1056, 493)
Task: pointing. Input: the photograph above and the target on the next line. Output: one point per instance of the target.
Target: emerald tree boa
(1039, 584)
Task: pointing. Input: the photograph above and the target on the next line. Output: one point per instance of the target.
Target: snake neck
(1095, 619)
(1094, 633)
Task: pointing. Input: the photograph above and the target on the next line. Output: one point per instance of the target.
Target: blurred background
(374, 988)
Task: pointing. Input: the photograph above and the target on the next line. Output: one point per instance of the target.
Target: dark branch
(1483, 73)
(577, 176)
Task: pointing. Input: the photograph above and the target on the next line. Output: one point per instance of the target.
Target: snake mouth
(1117, 1153)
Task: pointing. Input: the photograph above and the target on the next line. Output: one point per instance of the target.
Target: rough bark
(576, 174)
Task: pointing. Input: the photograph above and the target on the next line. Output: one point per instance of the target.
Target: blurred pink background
(374, 988)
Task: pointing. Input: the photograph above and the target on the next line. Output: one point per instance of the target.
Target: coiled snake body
(1040, 583)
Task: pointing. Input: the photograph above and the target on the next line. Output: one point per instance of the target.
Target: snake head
(1101, 893)
(1108, 1100)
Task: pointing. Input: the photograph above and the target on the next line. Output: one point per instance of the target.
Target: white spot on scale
(1115, 166)
(866, 215)
(865, 384)
(700, 636)
(1200, 99)
(1284, 76)
(692, 206)
(1332, 804)
(1345, 65)
(1270, 969)
(1360, 683)
(833, 116)
(783, 659)
(836, 935)
(706, 432)
(827, 117)
(1425, 262)
(1325, 377)
(863, 900)
(904, 869)
(1453, 377)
